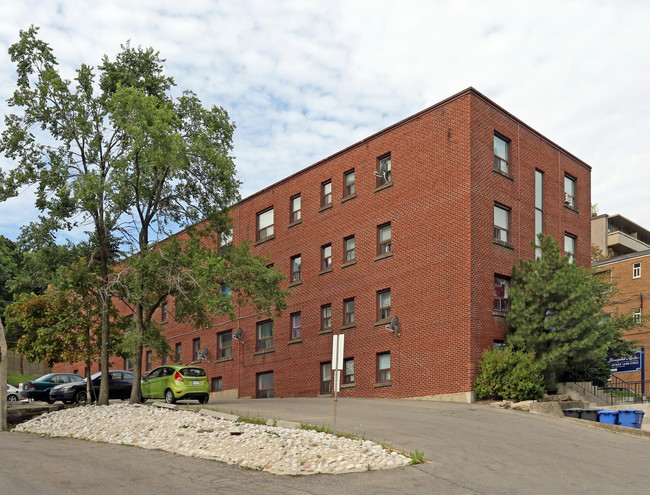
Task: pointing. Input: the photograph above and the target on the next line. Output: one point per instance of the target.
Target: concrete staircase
(584, 391)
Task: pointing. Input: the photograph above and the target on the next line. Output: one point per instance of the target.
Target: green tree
(9, 266)
(509, 374)
(557, 313)
(124, 156)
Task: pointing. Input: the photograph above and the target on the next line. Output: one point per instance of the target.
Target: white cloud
(303, 79)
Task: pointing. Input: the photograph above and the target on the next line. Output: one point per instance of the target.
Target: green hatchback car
(174, 383)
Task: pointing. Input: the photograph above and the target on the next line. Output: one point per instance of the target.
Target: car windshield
(193, 372)
(45, 378)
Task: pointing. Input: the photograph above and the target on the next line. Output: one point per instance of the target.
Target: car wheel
(12, 398)
(50, 401)
(169, 397)
(204, 399)
(80, 397)
(142, 399)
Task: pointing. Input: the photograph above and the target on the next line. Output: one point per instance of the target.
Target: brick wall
(632, 293)
(442, 262)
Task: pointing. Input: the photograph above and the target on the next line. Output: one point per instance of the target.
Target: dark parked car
(119, 387)
(39, 389)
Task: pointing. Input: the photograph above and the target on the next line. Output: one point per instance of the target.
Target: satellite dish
(239, 334)
(394, 326)
(204, 355)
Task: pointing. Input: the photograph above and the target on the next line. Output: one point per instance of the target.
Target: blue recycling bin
(608, 416)
(631, 418)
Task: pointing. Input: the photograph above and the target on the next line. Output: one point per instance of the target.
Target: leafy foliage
(124, 156)
(557, 313)
(509, 374)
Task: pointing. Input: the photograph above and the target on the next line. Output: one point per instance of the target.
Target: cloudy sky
(305, 79)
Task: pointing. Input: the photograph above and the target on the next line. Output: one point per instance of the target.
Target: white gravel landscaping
(269, 448)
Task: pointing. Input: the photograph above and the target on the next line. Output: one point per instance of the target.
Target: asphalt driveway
(472, 449)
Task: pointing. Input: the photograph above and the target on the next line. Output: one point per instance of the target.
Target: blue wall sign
(622, 365)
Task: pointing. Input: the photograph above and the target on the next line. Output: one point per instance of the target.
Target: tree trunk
(137, 356)
(103, 387)
(3, 378)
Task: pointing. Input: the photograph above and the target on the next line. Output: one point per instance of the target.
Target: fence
(16, 363)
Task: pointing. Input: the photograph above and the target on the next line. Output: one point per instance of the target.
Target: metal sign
(337, 352)
(626, 364)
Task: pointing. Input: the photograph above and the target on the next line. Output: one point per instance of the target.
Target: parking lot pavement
(472, 449)
(479, 448)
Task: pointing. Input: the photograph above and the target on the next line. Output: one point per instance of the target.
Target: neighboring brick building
(423, 220)
(631, 273)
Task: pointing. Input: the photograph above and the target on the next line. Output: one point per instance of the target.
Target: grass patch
(328, 430)
(417, 457)
(15, 378)
(253, 421)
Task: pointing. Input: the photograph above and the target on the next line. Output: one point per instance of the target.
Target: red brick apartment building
(631, 272)
(422, 220)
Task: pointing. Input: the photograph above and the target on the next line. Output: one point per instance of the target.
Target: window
(163, 312)
(383, 238)
(501, 287)
(265, 385)
(295, 209)
(383, 367)
(569, 191)
(570, 246)
(296, 262)
(265, 335)
(348, 183)
(128, 364)
(348, 311)
(225, 290)
(348, 249)
(326, 193)
(196, 348)
(383, 304)
(636, 315)
(326, 378)
(296, 326)
(499, 344)
(216, 384)
(178, 353)
(348, 370)
(326, 318)
(226, 238)
(539, 210)
(383, 173)
(501, 223)
(326, 256)
(148, 358)
(636, 270)
(224, 345)
(501, 154)
(265, 224)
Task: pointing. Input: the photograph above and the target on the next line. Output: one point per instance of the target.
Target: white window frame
(502, 163)
(264, 227)
(500, 230)
(636, 270)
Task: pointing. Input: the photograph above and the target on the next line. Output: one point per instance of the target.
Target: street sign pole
(642, 372)
(337, 366)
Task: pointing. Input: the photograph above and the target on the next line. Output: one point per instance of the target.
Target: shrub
(509, 374)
